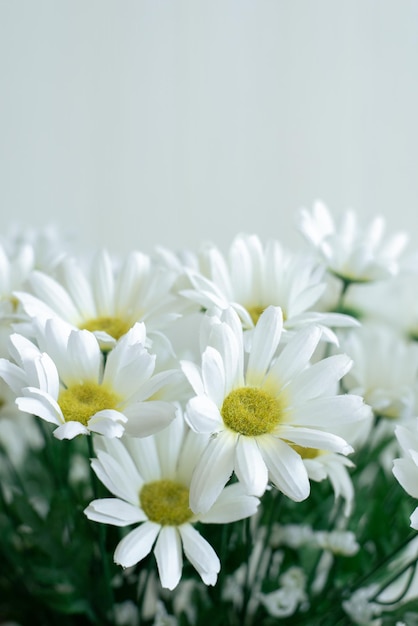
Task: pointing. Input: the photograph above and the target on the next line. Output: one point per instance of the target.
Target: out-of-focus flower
(107, 302)
(255, 277)
(353, 253)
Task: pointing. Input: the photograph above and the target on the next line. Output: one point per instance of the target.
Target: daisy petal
(200, 554)
(169, 557)
(265, 339)
(286, 468)
(114, 511)
(296, 354)
(212, 472)
(250, 467)
(69, 430)
(136, 545)
(147, 418)
(203, 415)
(233, 504)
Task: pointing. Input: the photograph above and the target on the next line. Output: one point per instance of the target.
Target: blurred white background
(137, 122)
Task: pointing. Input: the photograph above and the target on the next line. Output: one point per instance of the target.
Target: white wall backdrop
(136, 122)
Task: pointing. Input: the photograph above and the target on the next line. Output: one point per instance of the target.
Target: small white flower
(349, 251)
(150, 479)
(258, 411)
(68, 384)
(285, 601)
(361, 609)
(338, 542)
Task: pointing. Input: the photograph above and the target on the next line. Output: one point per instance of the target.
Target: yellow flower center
(306, 453)
(113, 326)
(165, 502)
(251, 411)
(255, 312)
(80, 402)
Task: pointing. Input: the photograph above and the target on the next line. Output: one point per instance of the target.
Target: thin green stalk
(102, 536)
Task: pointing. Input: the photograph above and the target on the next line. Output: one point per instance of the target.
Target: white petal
(406, 473)
(265, 339)
(79, 288)
(108, 423)
(414, 519)
(203, 415)
(250, 467)
(13, 376)
(41, 404)
(296, 354)
(128, 366)
(200, 554)
(169, 557)
(193, 375)
(121, 478)
(320, 377)
(84, 355)
(312, 438)
(114, 511)
(147, 418)
(233, 504)
(136, 545)
(286, 468)
(213, 375)
(212, 472)
(69, 430)
(50, 292)
(103, 283)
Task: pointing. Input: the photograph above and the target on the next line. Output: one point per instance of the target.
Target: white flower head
(285, 600)
(150, 479)
(405, 469)
(385, 369)
(254, 277)
(353, 253)
(108, 301)
(67, 383)
(258, 409)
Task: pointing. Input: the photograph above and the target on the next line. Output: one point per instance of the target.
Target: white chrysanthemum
(150, 479)
(384, 372)
(255, 277)
(48, 244)
(257, 412)
(107, 302)
(353, 253)
(406, 468)
(68, 384)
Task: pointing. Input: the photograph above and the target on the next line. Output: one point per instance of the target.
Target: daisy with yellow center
(253, 277)
(151, 481)
(66, 382)
(108, 301)
(258, 408)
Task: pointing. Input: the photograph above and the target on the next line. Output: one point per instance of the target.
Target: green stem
(102, 536)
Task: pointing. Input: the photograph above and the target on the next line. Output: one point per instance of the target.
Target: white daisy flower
(68, 384)
(405, 469)
(256, 412)
(349, 251)
(107, 302)
(255, 277)
(384, 372)
(150, 479)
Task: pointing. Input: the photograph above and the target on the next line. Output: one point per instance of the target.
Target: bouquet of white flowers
(198, 438)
